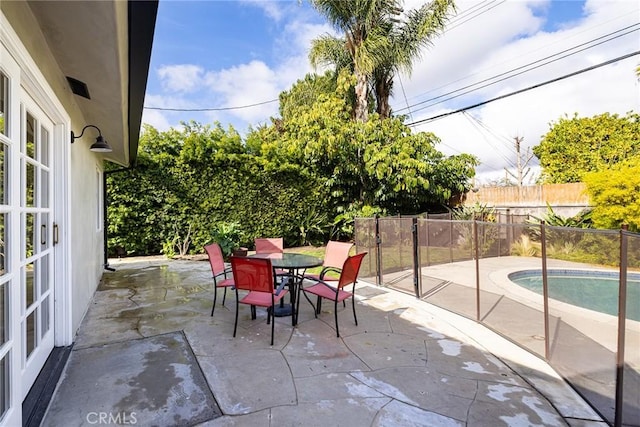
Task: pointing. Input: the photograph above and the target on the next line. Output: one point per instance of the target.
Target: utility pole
(520, 174)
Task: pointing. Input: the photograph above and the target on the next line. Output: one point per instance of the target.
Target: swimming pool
(594, 290)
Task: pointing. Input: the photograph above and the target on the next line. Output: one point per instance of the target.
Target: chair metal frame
(220, 272)
(336, 292)
(256, 276)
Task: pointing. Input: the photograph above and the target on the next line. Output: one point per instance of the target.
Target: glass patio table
(295, 265)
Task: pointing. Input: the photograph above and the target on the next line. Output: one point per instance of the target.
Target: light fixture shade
(100, 146)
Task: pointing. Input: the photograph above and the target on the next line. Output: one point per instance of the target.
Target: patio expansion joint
(137, 327)
(354, 353)
(405, 400)
(197, 363)
(418, 407)
(132, 294)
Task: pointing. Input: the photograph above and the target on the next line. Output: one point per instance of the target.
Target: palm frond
(422, 25)
(328, 50)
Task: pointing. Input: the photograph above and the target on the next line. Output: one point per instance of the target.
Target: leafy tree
(305, 177)
(575, 146)
(145, 212)
(305, 93)
(614, 193)
(188, 184)
(377, 163)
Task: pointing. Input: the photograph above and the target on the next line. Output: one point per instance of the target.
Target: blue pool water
(595, 290)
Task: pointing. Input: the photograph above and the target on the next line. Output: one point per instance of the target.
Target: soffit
(98, 43)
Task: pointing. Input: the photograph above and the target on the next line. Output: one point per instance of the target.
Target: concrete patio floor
(149, 353)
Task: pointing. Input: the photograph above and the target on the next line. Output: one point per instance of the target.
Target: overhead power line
(212, 109)
(408, 107)
(494, 65)
(488, 141)
(557, 79)
(457, 24)
(511, 73)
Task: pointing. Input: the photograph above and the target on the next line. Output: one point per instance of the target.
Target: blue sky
(225, 54)
(214, 34)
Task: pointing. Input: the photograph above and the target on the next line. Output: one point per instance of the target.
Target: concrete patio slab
(406, 363)
(148, 381)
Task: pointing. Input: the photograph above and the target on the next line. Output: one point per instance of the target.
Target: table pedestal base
(283, 310)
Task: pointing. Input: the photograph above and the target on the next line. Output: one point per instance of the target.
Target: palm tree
(407, 40)
(359, 20)
(378, 42)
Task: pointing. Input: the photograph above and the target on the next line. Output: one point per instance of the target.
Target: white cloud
(180, 78)
(156, 119)
(504, 38)
(246, 84)
(508, 37)
(223, 90)
(272, 9)
(299, 33)
(256, 82)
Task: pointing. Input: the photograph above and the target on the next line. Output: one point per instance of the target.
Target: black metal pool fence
(463, 267)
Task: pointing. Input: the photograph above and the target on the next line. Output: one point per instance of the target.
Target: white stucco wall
(86, 239)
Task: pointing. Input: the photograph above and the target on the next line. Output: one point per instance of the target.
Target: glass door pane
(8, 313)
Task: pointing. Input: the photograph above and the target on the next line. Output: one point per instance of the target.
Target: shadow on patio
(149, 353)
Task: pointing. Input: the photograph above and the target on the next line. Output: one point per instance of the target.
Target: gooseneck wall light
(100, 146)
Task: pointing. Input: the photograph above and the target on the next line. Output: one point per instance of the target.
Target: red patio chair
(273, 245)
(256, 276)
(220, 272)
(335, 254)
(269, 245)
(336, 292)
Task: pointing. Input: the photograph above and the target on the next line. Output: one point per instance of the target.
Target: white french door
(26, 246)
(36, 240)
(7, 353)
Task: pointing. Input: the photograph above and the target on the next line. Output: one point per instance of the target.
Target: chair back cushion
(216, 259)
(350, 270)
(252, 274)
(336, 253)
(269, 245)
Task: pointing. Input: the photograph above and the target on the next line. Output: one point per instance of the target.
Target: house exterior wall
(84, 241)
(71, 269)
(86, 251)
(51, 206)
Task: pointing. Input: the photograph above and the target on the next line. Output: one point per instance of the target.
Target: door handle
(43, 234)
(55, 233)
